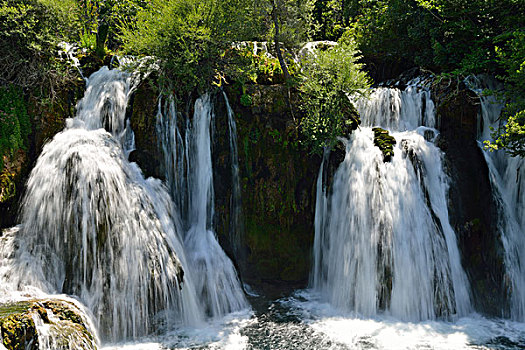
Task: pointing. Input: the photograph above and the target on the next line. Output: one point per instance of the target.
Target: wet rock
(278, 178)
(49, 324)
(387, 68)
(142, 113)
(17, 327)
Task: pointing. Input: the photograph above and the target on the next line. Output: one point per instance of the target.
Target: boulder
(46, 323)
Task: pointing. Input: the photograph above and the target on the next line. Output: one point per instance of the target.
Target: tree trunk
(284, 67)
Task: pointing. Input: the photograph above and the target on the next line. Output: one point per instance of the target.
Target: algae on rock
(44, 324)
(385, 142)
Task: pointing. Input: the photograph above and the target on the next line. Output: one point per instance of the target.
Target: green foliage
(194, 39)
(329, 77)
(15, 125)
(100, 21)
(511, 136)
(243, 65)
(446, 35)
(511, 55)
(295, 21)
(246, 100)
(329, 18)
(188, 36)
(29, 33)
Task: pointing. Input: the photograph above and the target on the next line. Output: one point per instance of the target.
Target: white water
(236, 222)
(93, 227)
(507, 175)
(189, 173)
(383, 242)
(383, 332)
(306, 324)
(398, 110)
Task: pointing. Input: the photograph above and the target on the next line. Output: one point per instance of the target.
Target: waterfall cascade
(93, 227)
(236, 221)
(383, 241)
(187, 150)
(507, 175)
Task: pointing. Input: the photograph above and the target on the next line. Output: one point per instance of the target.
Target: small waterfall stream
(236, 221)
(507, 175)
(189, 172)
(383, 242)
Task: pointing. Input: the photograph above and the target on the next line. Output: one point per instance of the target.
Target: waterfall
(93, 227)
(236, 223)
(507, 176)
(383, 241)
(188, 164)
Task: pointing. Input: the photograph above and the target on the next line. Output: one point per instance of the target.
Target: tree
(292, 21)
(329, 79)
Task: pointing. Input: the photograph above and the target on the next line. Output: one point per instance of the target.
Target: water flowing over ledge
(93, 227)
(384, 228)
(189, 174)
(387, 269)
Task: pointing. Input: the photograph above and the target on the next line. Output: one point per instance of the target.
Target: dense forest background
(193, 44)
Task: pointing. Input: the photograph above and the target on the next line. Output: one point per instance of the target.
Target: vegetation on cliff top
(194, 41)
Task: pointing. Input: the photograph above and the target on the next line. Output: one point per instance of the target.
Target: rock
(278, 178)
(142, 113)
(17, 327)
(386, 68)
(50, 324)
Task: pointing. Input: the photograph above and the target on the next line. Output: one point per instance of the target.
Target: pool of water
(302, 321)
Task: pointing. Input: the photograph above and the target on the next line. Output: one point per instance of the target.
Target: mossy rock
(385, 142)
(277, 182)
(17, 326)
(7, 186)
(66, 327)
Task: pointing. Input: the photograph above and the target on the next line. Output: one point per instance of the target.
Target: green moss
(18, 329)
(14, 123)
(7, 310)
(246, 100)
(7, 186)
(385, 142)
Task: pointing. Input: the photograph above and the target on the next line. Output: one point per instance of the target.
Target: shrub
(329, 78)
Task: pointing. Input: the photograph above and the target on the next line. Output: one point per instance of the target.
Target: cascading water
(507, 175)
(188, 167)
(383, 241)
(93, 227)
(236, 222)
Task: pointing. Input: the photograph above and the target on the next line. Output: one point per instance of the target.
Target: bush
(329, 78)
(30, 31)
(511, 55)
(190, 37)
